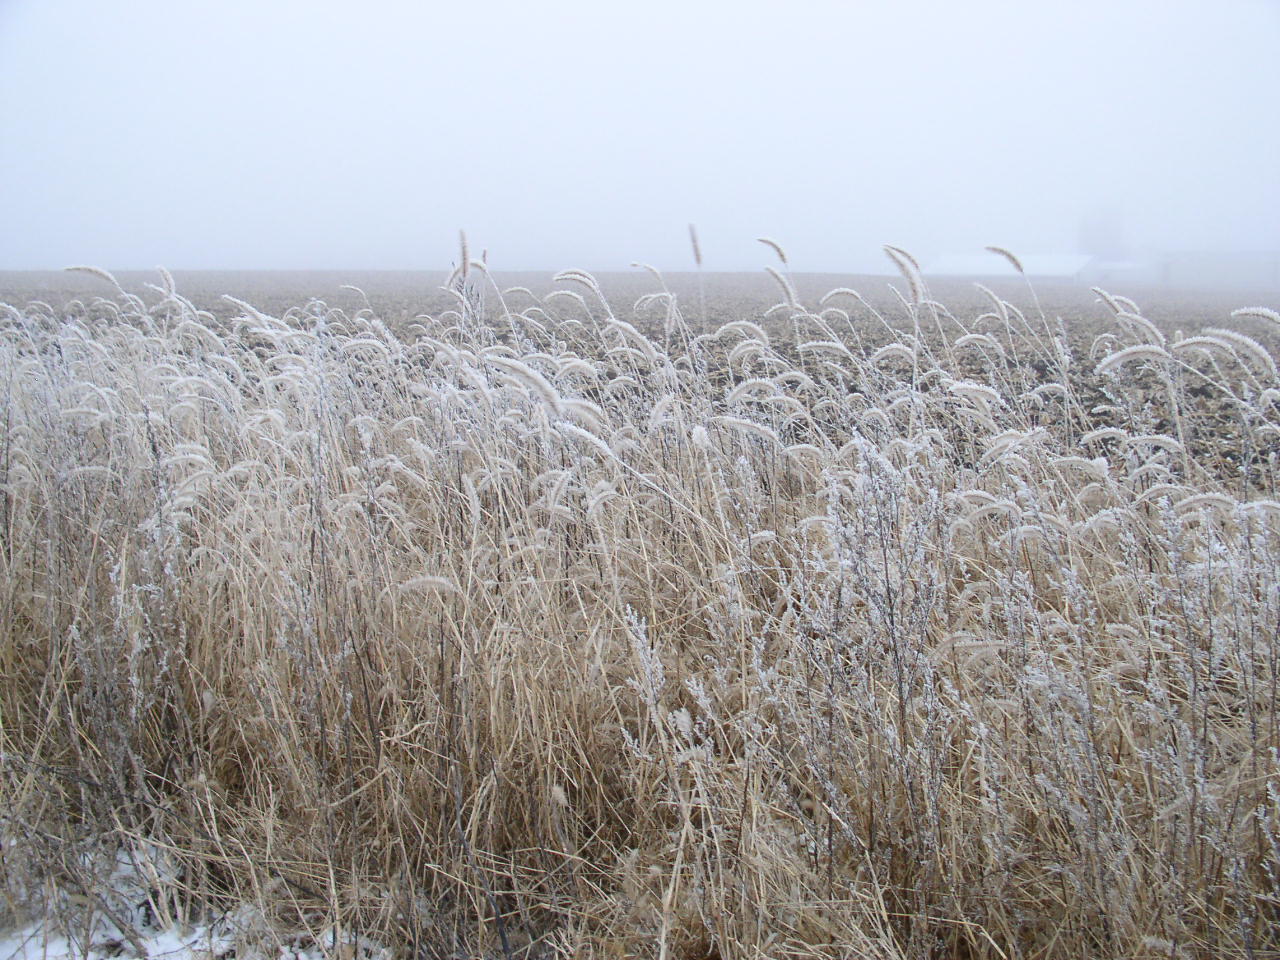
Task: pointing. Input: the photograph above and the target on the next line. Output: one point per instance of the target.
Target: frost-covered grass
(541, 629)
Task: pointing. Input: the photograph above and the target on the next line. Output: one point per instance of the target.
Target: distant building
(1115, 274)
(1188, 270)
(1255, 270)
(1060, 266)
(1102, 234)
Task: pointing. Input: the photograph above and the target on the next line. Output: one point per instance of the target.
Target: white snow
(239, 934)
(104, 941)
(77, 927)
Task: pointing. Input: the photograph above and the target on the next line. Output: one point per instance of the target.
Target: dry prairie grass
(530, 629)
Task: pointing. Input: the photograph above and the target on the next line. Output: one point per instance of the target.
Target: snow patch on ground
(131, 918)
(240, 935)
(104, 941)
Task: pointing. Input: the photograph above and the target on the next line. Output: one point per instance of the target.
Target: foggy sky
(582, 133)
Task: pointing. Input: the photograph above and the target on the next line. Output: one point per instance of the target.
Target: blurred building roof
(994, 265)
